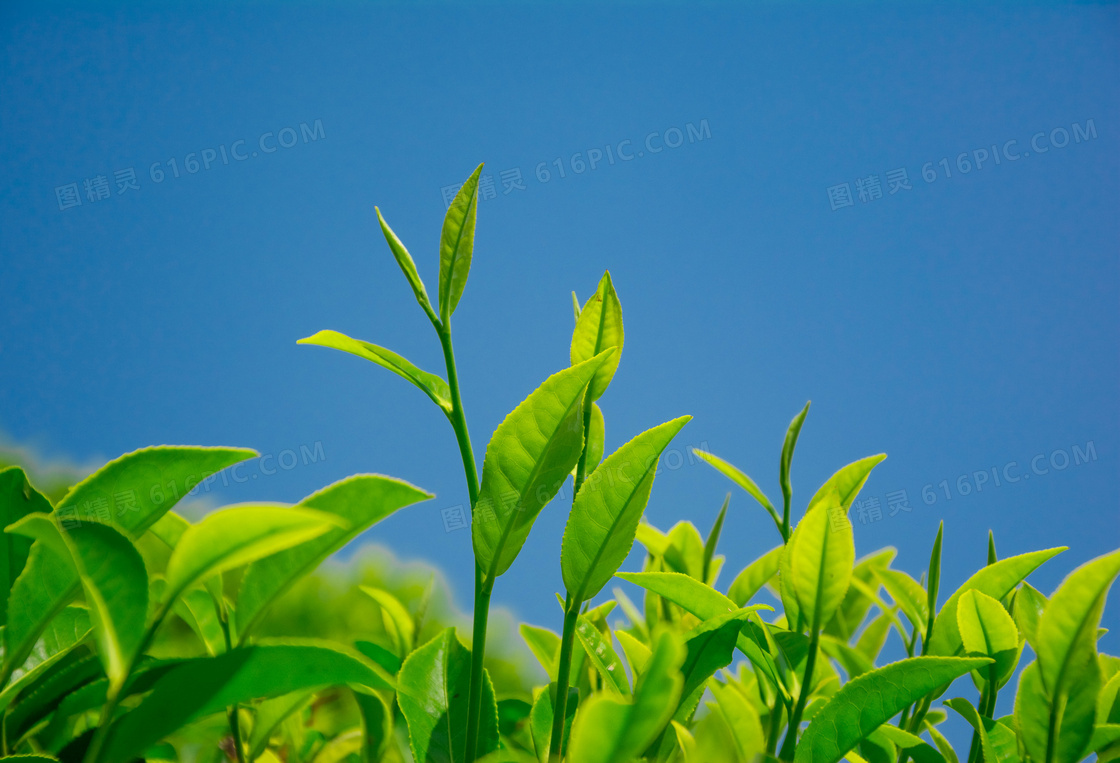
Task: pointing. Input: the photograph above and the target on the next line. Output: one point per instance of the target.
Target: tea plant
(97, 578)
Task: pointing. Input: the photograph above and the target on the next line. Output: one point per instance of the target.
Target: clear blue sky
(958, 325)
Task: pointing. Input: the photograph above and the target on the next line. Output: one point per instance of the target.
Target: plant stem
(233, 716)
(560, 701)
(482, 588)
(790, 743)
(93, 752)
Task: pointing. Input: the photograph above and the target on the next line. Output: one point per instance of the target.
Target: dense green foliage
(130, 632)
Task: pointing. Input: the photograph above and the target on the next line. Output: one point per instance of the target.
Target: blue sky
(964, 324)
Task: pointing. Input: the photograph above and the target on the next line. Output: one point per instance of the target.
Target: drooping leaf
(743, 481)
(17, 499)
(712, 541)
(599, 328)
(239, 535)
(754, 576)
(996, 580)
(605, 515)
(529, 456)
(866, 702)
(358, 502)
(987, 630)
(821, 554)
(434, 685)
(456, 245)
(602, 656)
(430, 384)
(197, 609)
(200, 687)
(133, 491)
(841, 489)
(407, 266)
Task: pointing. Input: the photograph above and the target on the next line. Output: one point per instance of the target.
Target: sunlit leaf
(407, 266)
(599, 328)
(988, 631)
(456, 245)
(821, 554)
(743, 481)
(602, 656)
(754, 576)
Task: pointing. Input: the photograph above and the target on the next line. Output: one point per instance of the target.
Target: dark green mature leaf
(599, 328)
(456, 245)
(434, 686)
(866, 702)
(528, 458)
(59, 642)
(987, 630)
(609, 729)
(842, 488)
(17, 499)
(754, 576)
(200, 687)
(605, 515)
(790, 442)
(430, 384)
(820, 556)
(712, 542)
(133, 491)
(359, 502)
(407, 266)
(997, 580)
(377, 726)
(238, 535)
(743, 481)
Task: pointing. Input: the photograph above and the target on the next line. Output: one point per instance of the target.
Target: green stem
(233, 716)
(560, 701)
(93, 753)
(789, 746)
(775, 723)
(482, 588)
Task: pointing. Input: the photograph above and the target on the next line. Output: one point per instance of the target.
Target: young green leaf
(599, 328)
(238, 535)
(545, 646)
(996, 580)
(199, 687)
(433, 686)
(1057, 731)
(842, 488)
(407, 266)
(17, 499)
(874, 636)
(754, 576)
(742, 719)
(866, 702)
(686, 742)
(863, 593)
(988, 631)
(685, 552)
(358, 502)
(396, 619)
(540, 720)
(743, 481)
(907, 593)
(1028, 609)
(985, 728)
(270, 714)
(602, 655)
(605, 515)
(575, 306)
(932, 585)
(913, 745)
(59, 642)
(788, 445)
(528, 458)
(637, 653)
(992, 558)
(712, 542)
(430, 384)
(709, 647)
(821, 554)
(456, 245)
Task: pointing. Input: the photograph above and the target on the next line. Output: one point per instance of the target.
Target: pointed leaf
(742, 719)
(541, 716)
(528, 458)
(743, 481)
(359, 502)
(866, 702)
(712, 542)
(637, 653)
(988, 631)
(17, 499)
(842, 488)
(407, 266)
(1029, 605)
(907, 594)
(456, 245)
(599, 328)
(754, 576)
(602, 655)
(821, 553)
(545, 646)
(605, 515)
(792, 433)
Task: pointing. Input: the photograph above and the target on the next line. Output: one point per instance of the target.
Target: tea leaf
(788, 445)
(868, 701)
(997, 742)
(17, 499)
(987, 630)
(545, 646)
(456, 245)
(1029, 605)
(540, 720)
(754, 576)
(743, 481)
(1071, 716)
(407, 266)
(599, 328)
(359, 502)
(430, 384)
(742, 719)
(602, 656)
(821, 554)
(907, 593)
(842, 487)
(605, 515)
(529, 456)
(433, 685)
(203, 686)
(712, 542)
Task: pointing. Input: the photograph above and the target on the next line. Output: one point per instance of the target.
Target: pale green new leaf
(997, 742)
(529, 456)
(238, 535)
(914, 746)
(59, 638)
(821, 554)
(541, 717)
(996, 580)
(637, 653)
(270, 714)
(545, 646)
(988, 631)
(1071, 716)
(907, 593)
(456, 245)
(200, 687)
(434, 686)
(788, 445)
(842, 488)
(407, 266)
(596, 439)
(605, 515)
(599, 328)
(742, 719)
(754, 576)
(1028, 609)
(708, 574)
(743, 481)
(430, 384)
(358, 502)
(864, 703)
(602, 656)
